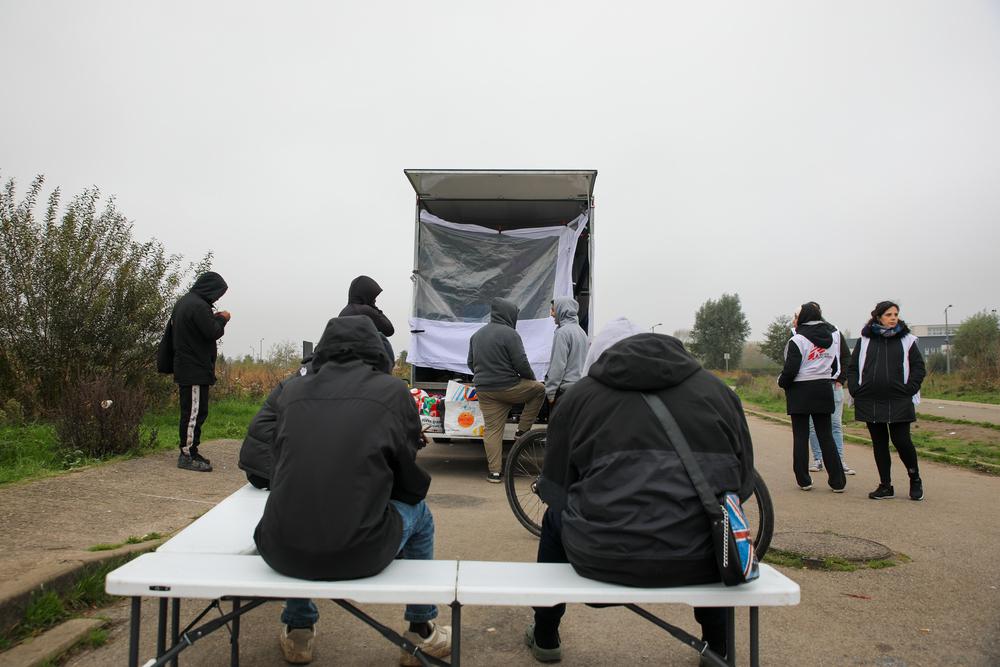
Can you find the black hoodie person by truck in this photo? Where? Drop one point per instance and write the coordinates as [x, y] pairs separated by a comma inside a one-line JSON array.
[[361, 301], [345, 443]]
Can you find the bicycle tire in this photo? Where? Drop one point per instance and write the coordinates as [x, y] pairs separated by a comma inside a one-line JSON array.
[[761, 502], [521, 470]]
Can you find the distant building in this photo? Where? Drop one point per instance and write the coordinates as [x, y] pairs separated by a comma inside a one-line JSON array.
[[932, 337]]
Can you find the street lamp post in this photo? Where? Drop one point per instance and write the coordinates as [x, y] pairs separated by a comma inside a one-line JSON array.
[[658, 324], [260, 355], [947, 342]]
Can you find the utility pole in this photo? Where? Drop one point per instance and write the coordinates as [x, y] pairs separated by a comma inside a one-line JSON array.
[[947, 342], [260, 355]]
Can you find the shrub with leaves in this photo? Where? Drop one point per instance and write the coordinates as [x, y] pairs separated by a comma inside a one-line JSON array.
[[81, 302]]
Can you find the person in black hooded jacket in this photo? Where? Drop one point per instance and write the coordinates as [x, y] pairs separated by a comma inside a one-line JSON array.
[[347, 495], [884, 377], [361, 301], [196, 328], [621, 507], [813, 359]]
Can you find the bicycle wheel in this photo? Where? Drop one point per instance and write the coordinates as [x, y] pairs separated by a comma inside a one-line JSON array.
[[521, 472], [760, 515]]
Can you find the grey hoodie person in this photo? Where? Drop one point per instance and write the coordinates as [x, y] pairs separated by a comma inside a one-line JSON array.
[[569, 348], [496, 352]]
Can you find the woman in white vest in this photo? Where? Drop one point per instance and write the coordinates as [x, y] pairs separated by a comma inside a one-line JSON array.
[[812, 361], [884, 378]]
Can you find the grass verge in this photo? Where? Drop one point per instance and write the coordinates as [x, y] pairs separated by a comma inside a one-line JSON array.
[[32, 451], [49, 608], [107, 546]]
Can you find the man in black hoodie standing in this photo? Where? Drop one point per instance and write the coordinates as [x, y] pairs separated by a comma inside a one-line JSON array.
[[621, 507], [196, 328], [347, 495], [503, 378]]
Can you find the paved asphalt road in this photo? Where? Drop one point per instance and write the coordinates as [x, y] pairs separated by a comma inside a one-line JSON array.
[[942, 608], [976, 412]]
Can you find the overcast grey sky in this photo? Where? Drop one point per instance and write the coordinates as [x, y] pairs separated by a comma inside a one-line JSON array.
[[843, 152]]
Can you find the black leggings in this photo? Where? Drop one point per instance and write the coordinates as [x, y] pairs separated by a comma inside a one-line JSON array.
[[899, 432], [800, 450]]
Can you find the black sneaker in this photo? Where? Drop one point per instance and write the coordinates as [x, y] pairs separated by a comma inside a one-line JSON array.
[[198, 457], [916, 489], [494, 478], [883, 492], [188, 462]]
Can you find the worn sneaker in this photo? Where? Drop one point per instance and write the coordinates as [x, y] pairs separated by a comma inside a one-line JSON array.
[[438, 645], [805, 487], [198, 457], [187, 462], [297, 644], [916, 489], [816, 466], [541, 654], [848, 470], [883, 492], [494, 478]]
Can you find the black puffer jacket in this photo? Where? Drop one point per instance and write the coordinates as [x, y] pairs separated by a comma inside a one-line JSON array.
[[879, 394], [630, 513], [361, 301], [812, 397], [196, 328], [346, 442]]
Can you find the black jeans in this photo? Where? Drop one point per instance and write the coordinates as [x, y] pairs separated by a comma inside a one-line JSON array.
[[800, 450], [194, 410], [547, 619], [899, 432]]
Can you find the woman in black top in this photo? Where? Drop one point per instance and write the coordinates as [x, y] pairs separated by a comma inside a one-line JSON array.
[[884, 378]]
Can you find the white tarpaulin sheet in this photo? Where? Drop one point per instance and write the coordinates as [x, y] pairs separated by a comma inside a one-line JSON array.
[[462, 268]]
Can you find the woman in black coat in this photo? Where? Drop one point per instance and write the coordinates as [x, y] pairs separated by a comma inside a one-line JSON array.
[[812, 361], [884, 378]]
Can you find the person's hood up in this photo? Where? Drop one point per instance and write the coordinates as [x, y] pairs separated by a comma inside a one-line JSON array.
[[644, 362], [503, 311], [348, 338], [566, 309], [210, 286], [612, 332], [819, 332], [363, 290]]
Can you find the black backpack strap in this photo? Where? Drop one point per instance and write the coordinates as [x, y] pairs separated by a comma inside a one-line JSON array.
[[683, 449]]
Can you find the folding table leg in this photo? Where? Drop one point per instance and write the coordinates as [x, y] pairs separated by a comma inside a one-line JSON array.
[[731, 636], [456, 634], [161, 628], [133, 635], [175, 625], [234, 640], [754, 637]]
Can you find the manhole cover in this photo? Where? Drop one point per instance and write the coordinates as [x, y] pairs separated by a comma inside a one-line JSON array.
[[831, 545], [454, 500]]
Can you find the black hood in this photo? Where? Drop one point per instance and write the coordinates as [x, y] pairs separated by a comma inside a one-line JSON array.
[[348, 338], [210, 286], [503, 311], [820, 333], [363, 290], [644, 362]]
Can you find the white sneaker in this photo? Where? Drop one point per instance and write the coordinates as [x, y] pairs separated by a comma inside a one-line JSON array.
[[848, 470], [816, 466], [438, 644], [297, 644]]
